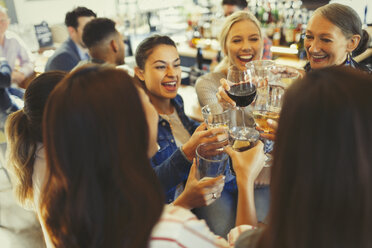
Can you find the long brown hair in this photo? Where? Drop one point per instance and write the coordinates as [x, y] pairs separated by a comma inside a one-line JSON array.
[[102, 191], [23, 130], [321, 188]]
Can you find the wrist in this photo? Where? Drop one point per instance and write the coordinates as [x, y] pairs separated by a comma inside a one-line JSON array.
[[188, 152], [180, 202]]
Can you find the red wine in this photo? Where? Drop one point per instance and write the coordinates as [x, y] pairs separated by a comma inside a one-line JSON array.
[[243, 94]]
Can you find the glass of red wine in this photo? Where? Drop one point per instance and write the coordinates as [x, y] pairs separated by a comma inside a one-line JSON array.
[[243, 92]]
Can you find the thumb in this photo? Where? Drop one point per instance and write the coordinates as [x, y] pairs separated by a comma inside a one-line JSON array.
[[193, 171], [201, 127], [230, 151]]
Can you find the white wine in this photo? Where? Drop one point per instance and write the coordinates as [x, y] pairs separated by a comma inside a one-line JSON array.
[[261, 118]]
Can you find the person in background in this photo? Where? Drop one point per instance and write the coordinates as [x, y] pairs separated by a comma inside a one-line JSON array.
[[25, 157], [334, 35], [100, 190], [73, 50], [321, 181], [231, 6], [104, 42], [8, 102], [14, 50]]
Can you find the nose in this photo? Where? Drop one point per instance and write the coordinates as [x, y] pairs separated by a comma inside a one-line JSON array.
[[171, 71], [313, 46], [246, 45]]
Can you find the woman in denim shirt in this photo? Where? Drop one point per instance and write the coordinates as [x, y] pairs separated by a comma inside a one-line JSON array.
[[158, 68]]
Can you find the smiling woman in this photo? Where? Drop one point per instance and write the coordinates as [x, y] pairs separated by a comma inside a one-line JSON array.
[[334, 35], [158, 69], [241, 42]]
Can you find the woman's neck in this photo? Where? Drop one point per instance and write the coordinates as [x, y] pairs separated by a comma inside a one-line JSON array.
[[162, 105]]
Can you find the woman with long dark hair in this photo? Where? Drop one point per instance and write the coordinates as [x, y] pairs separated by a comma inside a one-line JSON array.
[[100, 191], [321, 175]]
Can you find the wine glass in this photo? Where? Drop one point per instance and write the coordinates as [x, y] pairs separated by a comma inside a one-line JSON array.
[[268, 100], [243, 92]]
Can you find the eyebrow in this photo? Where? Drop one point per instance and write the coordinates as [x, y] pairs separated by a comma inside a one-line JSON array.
[[322, 34], [163, 62], [239, 36]]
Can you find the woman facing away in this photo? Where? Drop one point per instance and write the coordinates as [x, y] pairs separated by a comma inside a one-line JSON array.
[[25, 150], [321, 190], [101, 190], [334, 35]]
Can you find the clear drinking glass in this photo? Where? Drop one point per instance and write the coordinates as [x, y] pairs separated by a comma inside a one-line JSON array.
[[215, 115], [211, 159], [267, 104]]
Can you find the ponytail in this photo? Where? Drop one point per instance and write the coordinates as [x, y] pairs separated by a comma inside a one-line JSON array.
[[363, 44], [22, 147]]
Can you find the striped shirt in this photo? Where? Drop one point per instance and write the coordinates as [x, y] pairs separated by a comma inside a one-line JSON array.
[[180, 228]]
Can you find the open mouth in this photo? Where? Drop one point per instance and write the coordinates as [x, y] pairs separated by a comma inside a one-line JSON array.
[[170, 86], [318, 58], [245, 58]]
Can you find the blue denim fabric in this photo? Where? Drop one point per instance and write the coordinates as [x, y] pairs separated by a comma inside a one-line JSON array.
[[169, 163]]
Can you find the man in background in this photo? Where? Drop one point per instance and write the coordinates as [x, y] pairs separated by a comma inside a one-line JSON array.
[[14, 50], [73, 50], [230, 6], [104, 42]]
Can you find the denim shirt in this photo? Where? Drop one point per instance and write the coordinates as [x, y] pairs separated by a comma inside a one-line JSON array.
[[170, 163]]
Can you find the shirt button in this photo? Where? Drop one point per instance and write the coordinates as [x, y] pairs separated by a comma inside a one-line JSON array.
[[172, 141], [163, 123]]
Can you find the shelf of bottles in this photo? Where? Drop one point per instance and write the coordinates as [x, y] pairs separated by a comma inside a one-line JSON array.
[[283, 21]]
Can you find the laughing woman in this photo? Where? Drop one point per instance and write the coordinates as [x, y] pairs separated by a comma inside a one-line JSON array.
[[334, 35], [241, 42], [158, 68]]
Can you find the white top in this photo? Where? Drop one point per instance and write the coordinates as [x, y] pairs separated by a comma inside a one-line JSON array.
[[179, 227], [16, 53], [181, 135]]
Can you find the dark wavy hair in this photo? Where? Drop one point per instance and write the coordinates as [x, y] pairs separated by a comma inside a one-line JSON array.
[[348, 20], [97, 31], [23, 130], [102, 191], [321, 187], [71, 19], [145, 48]]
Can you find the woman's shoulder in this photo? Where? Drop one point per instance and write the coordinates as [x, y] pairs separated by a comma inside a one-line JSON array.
[[179, 227], [210, 77], [249, 238]]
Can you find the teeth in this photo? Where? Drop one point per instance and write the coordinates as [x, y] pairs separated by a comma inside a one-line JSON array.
[[170, 84], [246, 57], [319, 57]]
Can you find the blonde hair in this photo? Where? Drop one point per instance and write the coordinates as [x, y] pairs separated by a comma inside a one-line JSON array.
[[231, 20]]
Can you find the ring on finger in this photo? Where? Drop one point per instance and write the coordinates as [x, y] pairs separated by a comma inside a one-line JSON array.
[[214, 196]]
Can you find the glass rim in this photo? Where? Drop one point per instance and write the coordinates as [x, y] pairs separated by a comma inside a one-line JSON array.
[[253, 63], [226, 156], [203, 109]]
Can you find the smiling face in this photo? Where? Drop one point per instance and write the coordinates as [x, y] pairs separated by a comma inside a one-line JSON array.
[[162, 72], [243, 43], [325, 43]]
